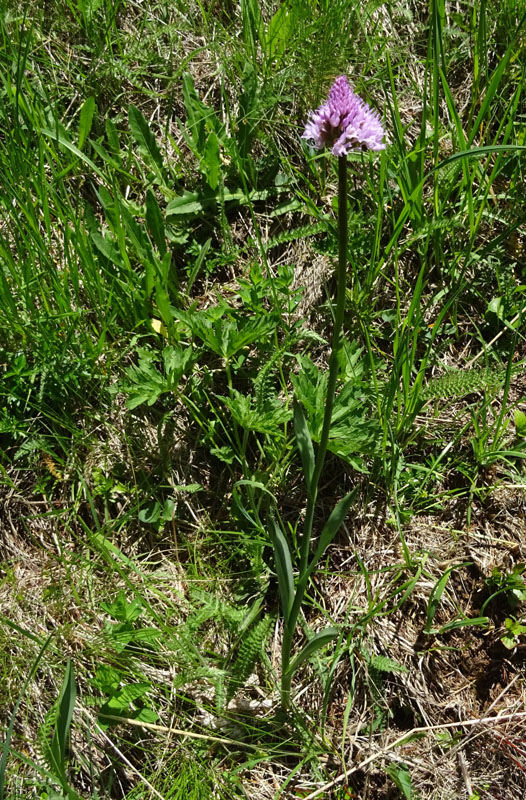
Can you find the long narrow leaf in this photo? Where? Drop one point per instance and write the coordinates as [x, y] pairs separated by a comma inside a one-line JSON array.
[[318, 641], [155, 222], [66, 704], [85, 120], [283, 567], [144, 137], [331, 527], [59, 137], [304, 443]]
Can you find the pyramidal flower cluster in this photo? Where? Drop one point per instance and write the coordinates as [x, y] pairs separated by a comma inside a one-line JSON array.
[[345, 123]]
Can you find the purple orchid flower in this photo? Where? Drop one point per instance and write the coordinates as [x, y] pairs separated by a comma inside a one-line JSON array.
[[345, 122]]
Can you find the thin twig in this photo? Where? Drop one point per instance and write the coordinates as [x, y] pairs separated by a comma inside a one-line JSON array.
[[186, 734]]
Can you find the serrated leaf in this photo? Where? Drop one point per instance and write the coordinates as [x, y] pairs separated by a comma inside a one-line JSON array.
[[144, 137], [225, 453], [318, 641], [283, 567], [385, 664]]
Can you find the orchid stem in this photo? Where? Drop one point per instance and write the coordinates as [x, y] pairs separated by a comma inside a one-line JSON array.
[[341, 275]]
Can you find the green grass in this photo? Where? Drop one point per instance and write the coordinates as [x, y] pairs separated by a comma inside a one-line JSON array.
[[167, 245]]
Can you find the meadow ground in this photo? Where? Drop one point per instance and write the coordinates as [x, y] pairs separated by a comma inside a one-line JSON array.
[[167, 256]]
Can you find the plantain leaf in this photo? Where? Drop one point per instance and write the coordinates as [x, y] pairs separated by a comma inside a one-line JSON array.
[[187, 203], [283, 567], [318, 641], [304, 443]]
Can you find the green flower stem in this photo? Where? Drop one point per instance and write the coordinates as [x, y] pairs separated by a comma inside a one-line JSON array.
[[301, 588]]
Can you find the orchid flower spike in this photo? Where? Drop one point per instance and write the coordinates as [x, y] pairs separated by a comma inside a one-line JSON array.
[[345, 122]]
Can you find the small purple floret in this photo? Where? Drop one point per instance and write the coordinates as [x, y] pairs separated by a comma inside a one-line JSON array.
[[345, 122]]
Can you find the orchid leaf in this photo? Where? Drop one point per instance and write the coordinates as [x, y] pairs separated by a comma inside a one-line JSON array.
[[318, 641], [283, 567]]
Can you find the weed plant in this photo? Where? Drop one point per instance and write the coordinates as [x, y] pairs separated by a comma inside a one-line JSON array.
[[167, 251]]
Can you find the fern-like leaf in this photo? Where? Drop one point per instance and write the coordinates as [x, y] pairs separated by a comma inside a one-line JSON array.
[[248, 654], [457, 383]]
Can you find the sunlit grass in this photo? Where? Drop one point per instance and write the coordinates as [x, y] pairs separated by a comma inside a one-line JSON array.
[[167, 245]]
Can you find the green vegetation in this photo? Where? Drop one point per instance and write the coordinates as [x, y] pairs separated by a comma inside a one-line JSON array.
[[167, 250]]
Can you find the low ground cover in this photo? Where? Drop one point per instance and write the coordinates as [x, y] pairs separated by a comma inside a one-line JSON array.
[[168, 244]]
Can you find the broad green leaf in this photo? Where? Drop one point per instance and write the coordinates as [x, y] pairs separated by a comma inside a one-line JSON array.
[[147, 715], [283, 567], [128, 694], [279, 29], [199, 117], [304, 443], [122, 609], [85, 120], [520, 422], [332, 526], [106, 157], [436, 594], [401, 777], [187, 203], [155, 222], [212, 160], [144, 137], [318, 641]]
